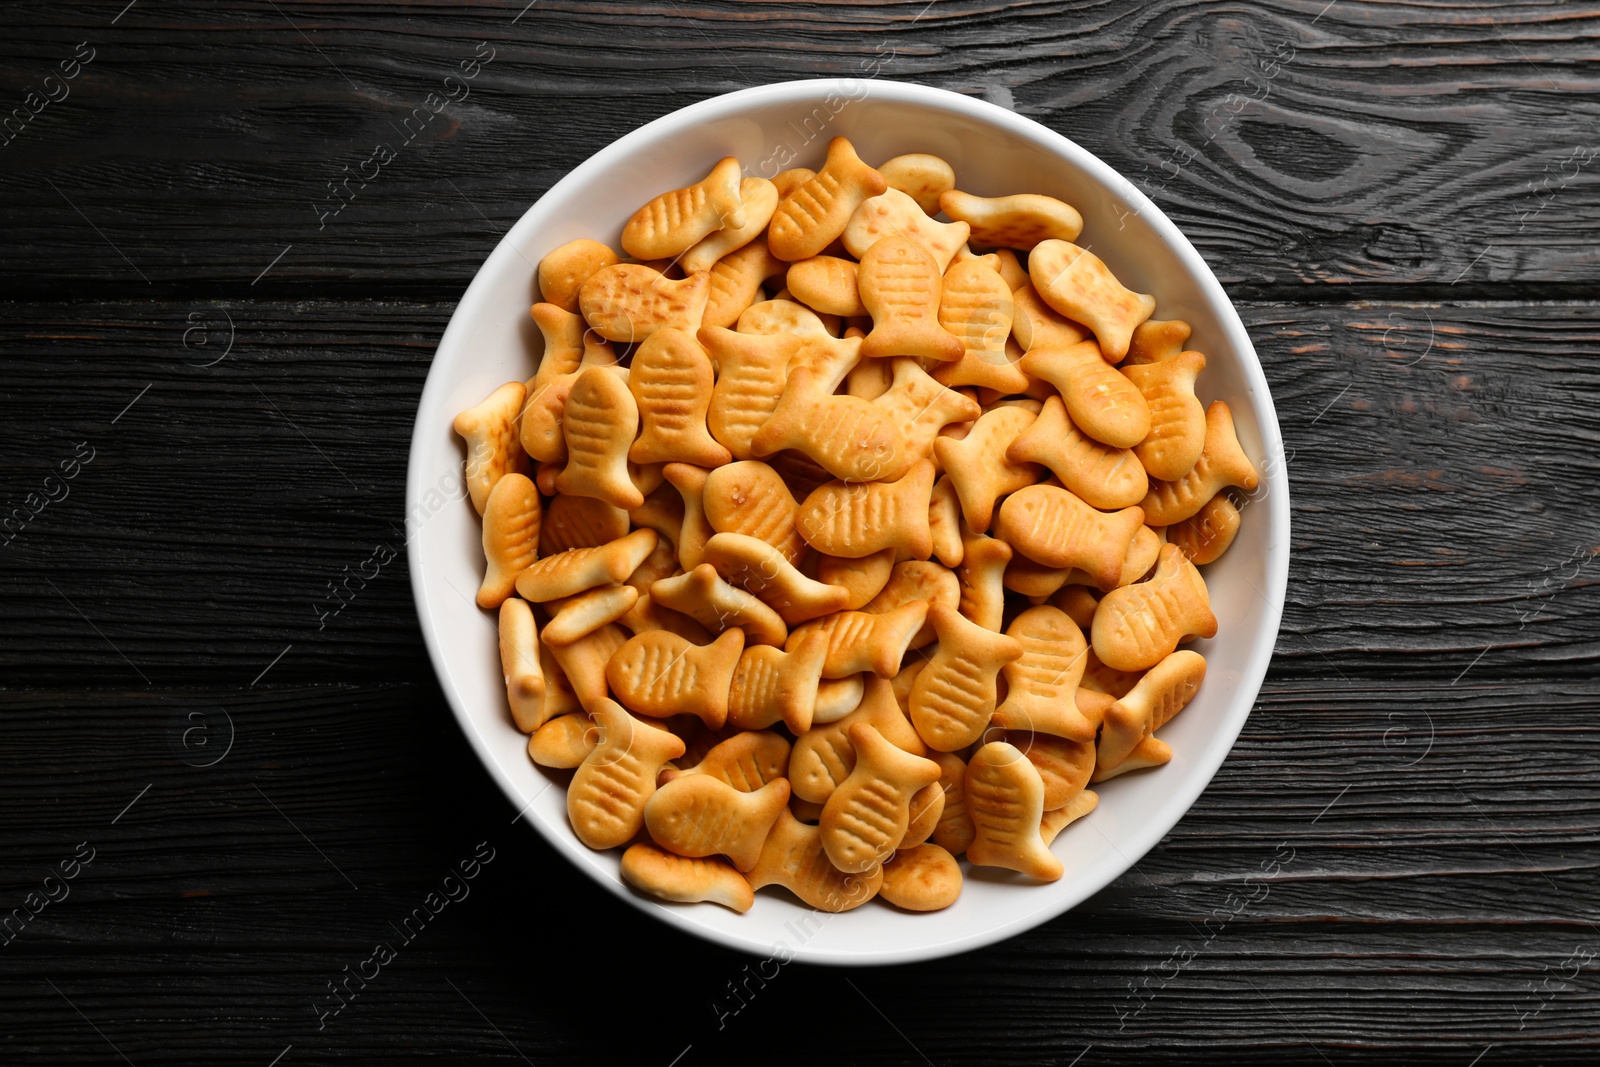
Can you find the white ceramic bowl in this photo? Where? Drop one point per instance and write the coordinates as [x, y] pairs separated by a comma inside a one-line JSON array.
[[491, 340]]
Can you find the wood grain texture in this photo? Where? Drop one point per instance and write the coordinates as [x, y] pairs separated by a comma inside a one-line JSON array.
[[1439, 489], [1360, 144], [1440, 825], [1398, 861], [1411, 907]]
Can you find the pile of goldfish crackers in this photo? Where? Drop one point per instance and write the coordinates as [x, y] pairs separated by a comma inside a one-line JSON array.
[[798, 530]]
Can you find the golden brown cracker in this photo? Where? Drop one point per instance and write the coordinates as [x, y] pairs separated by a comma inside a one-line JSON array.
[[920, 176], [1155, 340], [658, 674], [1053, 527], [1151, 752], [901, 285], [1177, 419], [579, 522], [927, 804], [1222, 463], [863, 641], [921, 406], [662, 511], [1079, 602], [599, 426], [977, 465], [781, 316], [690, 482], [583, 662], [751, 564], [1064, 765], [954, 696], [747, 760], [1035, 324], [914, 580], [981, 579], [1103, 403], [1138, 625], [519, 660], [563, 271], [1041, 683], [944, 522], [830, 359], [564, 741], [866, 816], [787, 181], [863, 578], [955, 830], [838, 697], [608, 792], [894, 214], [1206, 535], [751, 372], [1165, 690], [697, 815], [823, 756], [1020, 220], [924, 878], [826, 284], [628, 302], [1079, 285], [683, 880], [580, 569], [493, 449], [736, 282], [850, 438], [758, 198], [510, 537], [1005, 797], [863, 518], [671, 224], [587, 612], [1098, 474], [976, 307], [771, 685], [705, 597], [792, 856], [1053, 822], [671, 380], [749, 497], [811, 217]]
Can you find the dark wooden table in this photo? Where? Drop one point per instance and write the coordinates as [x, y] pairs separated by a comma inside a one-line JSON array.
[[205, 405]]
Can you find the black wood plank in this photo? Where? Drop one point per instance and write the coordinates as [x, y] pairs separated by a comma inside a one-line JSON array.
[[1427, 900], [1442, 510], [1396, 784], [263, 797], [1364, 144]]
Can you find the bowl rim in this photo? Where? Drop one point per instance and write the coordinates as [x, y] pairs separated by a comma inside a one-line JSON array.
[[1274, 489]]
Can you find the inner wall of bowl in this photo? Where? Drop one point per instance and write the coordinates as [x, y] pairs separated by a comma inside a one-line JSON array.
[[490, 342]]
